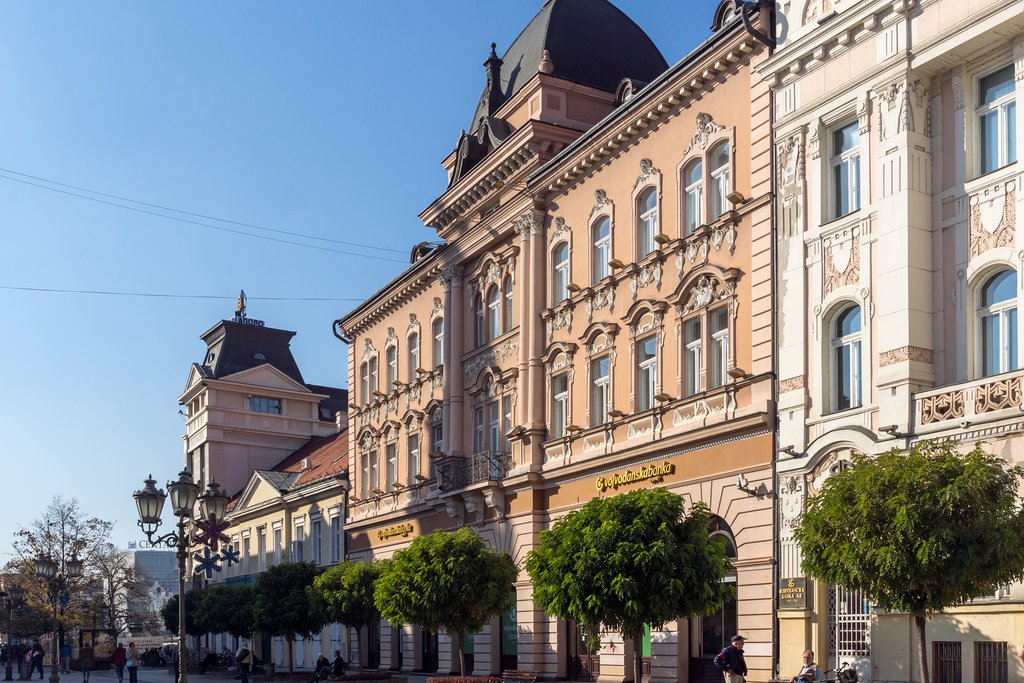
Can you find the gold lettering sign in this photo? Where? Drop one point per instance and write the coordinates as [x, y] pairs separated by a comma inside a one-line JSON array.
[[652, 473], [793, 593], [402, 530]]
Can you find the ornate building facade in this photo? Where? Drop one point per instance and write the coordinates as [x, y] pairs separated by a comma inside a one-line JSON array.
[[597, 318], [899, 268]]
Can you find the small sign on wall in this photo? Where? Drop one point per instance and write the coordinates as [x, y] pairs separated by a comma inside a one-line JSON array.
[[793, 593]]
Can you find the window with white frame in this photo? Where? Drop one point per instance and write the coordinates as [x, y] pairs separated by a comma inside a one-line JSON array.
[[414, 356], [261, 548], [479, 330], [719, 351], [298, 544], [437, 330], [493, 426], [599, 390], [413, 443], [364, 475], [846, 376], [693, 356], [693, 200], [374, 468], [246, 556], [372, 376], [507, 311], [560, 274], [316, 541], [336, 539], [278, 546], [391, 466], [602, 249], [493, 313], [997, 120], [844, 169], [647, 225], [478, 429], [436, 440], [506, 421], [646, 373], [559, 404], [997, 324], [368, 379], [391, 359], [719, 180]]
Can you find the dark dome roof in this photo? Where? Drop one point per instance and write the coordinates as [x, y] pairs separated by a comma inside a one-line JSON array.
[[591, 42]]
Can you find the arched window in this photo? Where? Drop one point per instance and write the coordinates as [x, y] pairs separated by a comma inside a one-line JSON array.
[[437, 331], [478, 319], [647, 228], [719, 179], [560, 275], [846, 376], [997, 323], [716, 628], [693, 202], [364, 381], [414, 356], [493, 313], [372, 364], [391, 358], [507, 312], [602, 249]]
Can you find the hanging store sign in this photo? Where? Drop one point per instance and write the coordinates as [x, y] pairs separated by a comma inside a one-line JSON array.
[[793, 593], [651, 473], [402, 530]]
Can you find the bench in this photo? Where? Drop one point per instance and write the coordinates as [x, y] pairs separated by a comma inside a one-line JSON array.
[[518, 676]]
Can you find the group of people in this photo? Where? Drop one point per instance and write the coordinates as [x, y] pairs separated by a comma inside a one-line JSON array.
[[734, 668], [129, 659], [325, 668]]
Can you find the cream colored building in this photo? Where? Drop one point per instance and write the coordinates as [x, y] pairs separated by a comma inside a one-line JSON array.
[[599, 311], [899, 270]]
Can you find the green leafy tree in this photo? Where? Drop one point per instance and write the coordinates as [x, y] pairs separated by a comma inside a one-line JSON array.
[[169, 614], [227, 609], [448, 581], [628, 561], [282, 606], [918, 531], [344, 593]]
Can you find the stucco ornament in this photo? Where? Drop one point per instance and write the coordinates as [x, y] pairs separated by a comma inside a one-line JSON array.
[[993, 218], [368, 349], [560, 228], [842, 259], [706, 127], [647, 171], [601, 202], [707, 290]]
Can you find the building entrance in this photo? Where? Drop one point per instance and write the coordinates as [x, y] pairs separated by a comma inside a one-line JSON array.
[[584, 663]]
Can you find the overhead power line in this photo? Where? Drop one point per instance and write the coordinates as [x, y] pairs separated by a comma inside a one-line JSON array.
[[158, 295], [208, 225]]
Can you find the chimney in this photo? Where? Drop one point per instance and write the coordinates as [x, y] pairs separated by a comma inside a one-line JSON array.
[[493, 66]]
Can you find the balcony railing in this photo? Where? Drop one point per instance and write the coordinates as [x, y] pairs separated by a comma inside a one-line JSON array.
[[458, 473], [970, 402]]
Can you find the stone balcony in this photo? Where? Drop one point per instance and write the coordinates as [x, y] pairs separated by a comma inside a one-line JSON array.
[[969, 405]]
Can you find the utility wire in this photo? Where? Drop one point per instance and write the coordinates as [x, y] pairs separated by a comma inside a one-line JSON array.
[[170, 296], [200, 215], [199, 223]]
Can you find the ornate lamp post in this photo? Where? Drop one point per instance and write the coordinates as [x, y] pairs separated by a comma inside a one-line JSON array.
[[49, 570], [206, 529], [14, 595]]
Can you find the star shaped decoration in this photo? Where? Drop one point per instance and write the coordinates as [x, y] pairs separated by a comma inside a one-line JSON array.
[[211, 531], [230, 556], [207, 562]]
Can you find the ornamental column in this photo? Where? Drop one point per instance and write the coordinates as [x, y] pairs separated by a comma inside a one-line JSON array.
[[454, 328]]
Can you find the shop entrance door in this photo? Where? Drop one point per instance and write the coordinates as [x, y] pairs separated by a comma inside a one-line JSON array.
[[584, 663]]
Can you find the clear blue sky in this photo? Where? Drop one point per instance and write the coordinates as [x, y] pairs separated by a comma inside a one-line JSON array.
[[322, 118]]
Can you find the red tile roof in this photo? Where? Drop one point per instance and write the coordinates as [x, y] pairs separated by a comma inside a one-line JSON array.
[[323, 457]]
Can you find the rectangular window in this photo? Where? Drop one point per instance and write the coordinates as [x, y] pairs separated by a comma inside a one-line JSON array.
[[391, 466], [997, 120], [719, 348], [372, 382], [414, 458], [559, 405], [364, 472], [506, 422], [844, 163], [646, 373], [261, 548], [317, 542], [602, 252], [246, 557], [278, 547], [990, 662], [493, 426], [599, 391], [374, 467], [478, 430], [414, 357], [438, 350], [263, 404], [298, 544], [947, 661], [693, 357], [336, 539]]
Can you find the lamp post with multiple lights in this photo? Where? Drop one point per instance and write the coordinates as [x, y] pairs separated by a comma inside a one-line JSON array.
[[206, 528], [56, 578]]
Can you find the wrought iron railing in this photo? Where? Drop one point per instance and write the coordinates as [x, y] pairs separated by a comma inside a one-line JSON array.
[[458, 472]]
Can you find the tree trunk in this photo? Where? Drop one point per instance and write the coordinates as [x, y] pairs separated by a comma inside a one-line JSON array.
[[291, 654], [922, 652], [462, 653], [638, 656]]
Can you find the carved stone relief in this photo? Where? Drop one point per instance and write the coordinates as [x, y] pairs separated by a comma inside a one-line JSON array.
[[560, 228], [647, 170], [368, 349], [792, 384], [903, 354], [993, 217], [650, 273], [842, 259], [601, 201], [815, 10], [450, 277], [706, 127], [474, 365], [601, 298], [707, 290]]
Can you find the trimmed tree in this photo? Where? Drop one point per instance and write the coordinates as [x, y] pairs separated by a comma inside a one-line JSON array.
[[282, 606], [450, 581], [344, 593], [629, 561], [917, 531], [227, 609], [169, 614]]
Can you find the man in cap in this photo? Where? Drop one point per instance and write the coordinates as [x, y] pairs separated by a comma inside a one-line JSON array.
[[731, 663]]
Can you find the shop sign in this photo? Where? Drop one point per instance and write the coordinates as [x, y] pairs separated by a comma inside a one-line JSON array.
[[402, 530], [793, 593], [651, 473]]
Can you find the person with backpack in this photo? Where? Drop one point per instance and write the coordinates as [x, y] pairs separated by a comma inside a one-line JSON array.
[[731, 663], [85, 655], [243, 658]]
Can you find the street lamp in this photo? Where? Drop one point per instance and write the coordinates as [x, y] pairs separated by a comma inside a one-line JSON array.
[[205, 529], [47, 569], [14, 595]]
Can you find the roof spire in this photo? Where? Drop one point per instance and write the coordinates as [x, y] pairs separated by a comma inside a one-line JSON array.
[[493, 66]]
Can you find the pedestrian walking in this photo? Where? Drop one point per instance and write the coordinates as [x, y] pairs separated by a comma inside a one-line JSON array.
[[243, 658], [132, 662], [65, 658], [85, 655], [119, 659], [731, 663], [37, 659]]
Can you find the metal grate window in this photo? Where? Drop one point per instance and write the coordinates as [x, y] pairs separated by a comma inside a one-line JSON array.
[[849, 617], [990, 662], [947, 662]]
